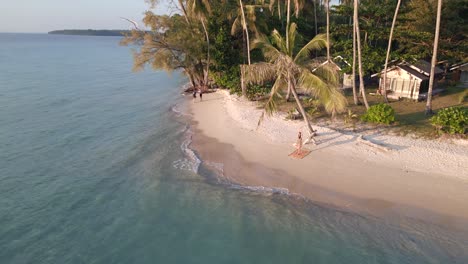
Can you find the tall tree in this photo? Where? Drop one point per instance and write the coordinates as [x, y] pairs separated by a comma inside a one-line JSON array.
[[434, 59], [170, 45], [327, 6], [384, 88], [200, 9], [290, 70], [297, 7], [355, 95], [358, 42]]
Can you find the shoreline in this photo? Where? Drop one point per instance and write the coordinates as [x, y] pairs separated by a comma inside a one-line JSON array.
[[340, 171]]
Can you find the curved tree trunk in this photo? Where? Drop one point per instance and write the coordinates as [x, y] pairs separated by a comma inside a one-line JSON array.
[[288, 94], [304, 115], [384, 90], [192, 80], [434, 60], [244, 27], [243, 87], [355, 95], [288, 10], [327, 3], [205, 80], [358, 41], [184, 11], [287, 24]]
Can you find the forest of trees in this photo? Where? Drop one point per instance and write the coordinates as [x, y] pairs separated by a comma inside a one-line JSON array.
[[277, 46]]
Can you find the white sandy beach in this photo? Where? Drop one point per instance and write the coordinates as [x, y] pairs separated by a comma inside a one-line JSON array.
[[414, 176]]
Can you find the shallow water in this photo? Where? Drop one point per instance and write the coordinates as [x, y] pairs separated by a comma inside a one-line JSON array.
[[94, 169]]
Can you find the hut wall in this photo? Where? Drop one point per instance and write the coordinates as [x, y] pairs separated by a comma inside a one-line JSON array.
[[401, 84], [464, 78], [347, 80]]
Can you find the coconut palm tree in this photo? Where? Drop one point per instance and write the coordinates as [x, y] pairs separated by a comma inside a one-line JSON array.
[[355, 96], [434, 59], [242, 22], [200, 9], [384, 90], [291, 70], [358, 43], [298, 4], [327, 6]]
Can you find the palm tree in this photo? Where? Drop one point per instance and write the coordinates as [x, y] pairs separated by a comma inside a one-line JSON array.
[[241, 20], [327, 6], [200, 9], [384, 91], [355, 96], [358, 42], [434, 59], [293, 70], [297, 7]]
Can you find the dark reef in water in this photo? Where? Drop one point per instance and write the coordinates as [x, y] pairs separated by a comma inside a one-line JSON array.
[[90, 32]]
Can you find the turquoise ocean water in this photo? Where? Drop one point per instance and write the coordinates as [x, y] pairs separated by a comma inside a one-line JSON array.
[[94, 169]]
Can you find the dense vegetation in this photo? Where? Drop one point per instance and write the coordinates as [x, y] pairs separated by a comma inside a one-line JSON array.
[[281, 48]]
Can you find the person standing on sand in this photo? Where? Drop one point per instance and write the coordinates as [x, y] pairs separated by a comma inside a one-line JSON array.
[[201, 95], [299, 143], [194, 94]]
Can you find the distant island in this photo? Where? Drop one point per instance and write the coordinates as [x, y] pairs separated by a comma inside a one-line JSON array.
[[90, 32]]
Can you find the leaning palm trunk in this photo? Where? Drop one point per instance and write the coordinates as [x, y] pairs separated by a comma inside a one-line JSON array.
[[243, 86], [288, 10], [355, 96], [205, 79], [327, 3], [384, 90], [358, 41], [304, 115], [184, 11], [434, 60], [244, 28]]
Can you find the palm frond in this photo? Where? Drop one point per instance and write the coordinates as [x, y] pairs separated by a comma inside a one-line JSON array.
[[328, 95], [292, 38], [236, 26], [317, 43], [279, 41], [269, 51], [338, 102], [328, 72], [271, 104], [259, 73]]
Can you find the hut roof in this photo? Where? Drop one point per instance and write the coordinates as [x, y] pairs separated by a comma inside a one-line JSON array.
[[413, 72], [424, 67]]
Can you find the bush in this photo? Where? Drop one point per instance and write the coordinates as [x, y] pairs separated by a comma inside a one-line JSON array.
[[380, 113], [453, 120], [229, 79], [256, 90]]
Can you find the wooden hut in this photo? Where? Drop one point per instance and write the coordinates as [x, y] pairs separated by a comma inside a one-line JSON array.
[[460, 73], [405, 80]]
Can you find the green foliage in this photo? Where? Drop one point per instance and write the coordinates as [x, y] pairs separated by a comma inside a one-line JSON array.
[[255, 90], [453, 120], [229, 79], [380, 113]]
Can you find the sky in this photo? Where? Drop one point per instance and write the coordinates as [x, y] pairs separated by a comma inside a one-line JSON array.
[[40, 16]]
